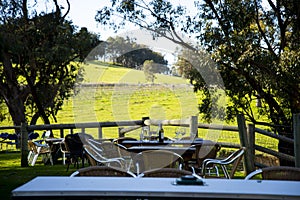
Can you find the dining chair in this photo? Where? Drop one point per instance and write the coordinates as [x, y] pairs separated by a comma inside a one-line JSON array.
[[165, 172], [233, 159], [36, 149], [114, 150], [153, 159], [94, 154], [65, 151], [207, 150], [277, 173], [102, 171], [110, 150], [74, 145]]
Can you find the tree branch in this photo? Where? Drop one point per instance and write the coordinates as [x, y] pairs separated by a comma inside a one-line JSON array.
[[261, 31], [68, 10]]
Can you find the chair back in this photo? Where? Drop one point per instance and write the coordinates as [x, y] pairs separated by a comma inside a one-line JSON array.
[[74, 145], [84, 137], [204, 151], [281, 173], [95, 157], [153, 159], [110, 150], [235, 158], [32, 147], [165, 172], [102, 171], [92, 155], [277, 173]]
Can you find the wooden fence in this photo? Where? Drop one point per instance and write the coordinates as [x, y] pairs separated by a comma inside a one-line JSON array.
[[246, 134], [247, 138]]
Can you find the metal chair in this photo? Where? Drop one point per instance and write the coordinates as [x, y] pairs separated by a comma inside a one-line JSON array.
[[75, 147], [205, 151], [165, 172], [153, 159], [233, 158], [94, 154], [277, 173], [102, 171]]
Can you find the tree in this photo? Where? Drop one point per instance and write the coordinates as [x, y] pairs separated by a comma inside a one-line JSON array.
[[149, 70], [37, 55], [136, 57], [129, 54], [116, 47], [255, 47]]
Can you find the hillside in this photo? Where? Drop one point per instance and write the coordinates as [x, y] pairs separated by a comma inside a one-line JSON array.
[[114, 93], [99, 72]]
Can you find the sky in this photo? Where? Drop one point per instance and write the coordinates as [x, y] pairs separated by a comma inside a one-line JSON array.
[[83, 13]]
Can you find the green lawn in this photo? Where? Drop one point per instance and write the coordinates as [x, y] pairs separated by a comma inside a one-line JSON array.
[[13, 175]]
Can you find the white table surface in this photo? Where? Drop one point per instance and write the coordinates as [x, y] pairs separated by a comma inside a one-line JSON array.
[[156, 187]]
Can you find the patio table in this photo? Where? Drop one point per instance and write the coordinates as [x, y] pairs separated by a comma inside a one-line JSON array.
[[61, 187]]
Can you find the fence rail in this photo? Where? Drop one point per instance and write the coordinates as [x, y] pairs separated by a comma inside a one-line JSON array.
[[246, 134]]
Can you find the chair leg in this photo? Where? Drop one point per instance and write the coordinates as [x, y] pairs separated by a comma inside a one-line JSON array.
[[34, 159], [29, 157], [51, 159], [64, 158], [217, 170], [226, 174]]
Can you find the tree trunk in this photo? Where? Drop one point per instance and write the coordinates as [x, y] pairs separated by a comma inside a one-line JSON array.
[[12, 92]]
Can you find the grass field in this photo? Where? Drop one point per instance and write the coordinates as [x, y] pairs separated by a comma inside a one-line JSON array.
[[128, 97], [12, 175]]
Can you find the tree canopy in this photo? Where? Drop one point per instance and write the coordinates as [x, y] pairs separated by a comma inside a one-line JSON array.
[[39, 55], [128, 53]]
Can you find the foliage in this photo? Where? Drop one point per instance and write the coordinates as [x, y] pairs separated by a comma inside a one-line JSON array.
[[148, 68], [248, 41], [128, 53], [136, 58], [36, 59]]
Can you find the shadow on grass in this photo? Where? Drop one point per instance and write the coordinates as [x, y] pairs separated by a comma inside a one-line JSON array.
[[12, 175]]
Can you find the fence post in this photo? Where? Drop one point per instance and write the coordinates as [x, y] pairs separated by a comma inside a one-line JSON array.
[[296, 132], [100, 132], [119, 132], [244, 142], [24, 145], [194, 127], [62, 133], [251, 141]]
